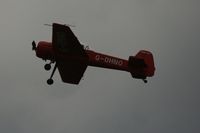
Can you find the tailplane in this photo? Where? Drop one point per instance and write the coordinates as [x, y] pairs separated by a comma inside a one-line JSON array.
[[142, 65]]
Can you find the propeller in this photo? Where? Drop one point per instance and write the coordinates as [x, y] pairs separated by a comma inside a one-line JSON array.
[[34, 45], [69, 25]]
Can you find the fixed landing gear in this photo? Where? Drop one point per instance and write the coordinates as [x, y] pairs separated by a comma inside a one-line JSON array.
[[47, 67], [145, 81], [50, 80]]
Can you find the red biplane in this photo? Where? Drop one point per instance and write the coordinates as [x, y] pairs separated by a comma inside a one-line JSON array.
[[72, 59]]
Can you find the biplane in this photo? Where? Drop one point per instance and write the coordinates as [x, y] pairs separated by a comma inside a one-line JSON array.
[[72, 58]]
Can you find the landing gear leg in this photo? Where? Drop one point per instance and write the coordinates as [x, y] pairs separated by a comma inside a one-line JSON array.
[[50, 80]]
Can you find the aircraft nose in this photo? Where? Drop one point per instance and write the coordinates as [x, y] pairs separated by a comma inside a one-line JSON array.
[[44, 50]]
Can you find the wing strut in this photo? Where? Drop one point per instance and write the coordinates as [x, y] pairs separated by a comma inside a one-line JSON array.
[[50, 80]]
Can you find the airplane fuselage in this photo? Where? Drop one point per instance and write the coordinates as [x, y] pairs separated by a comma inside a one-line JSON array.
[[45, 51], [106, 61]]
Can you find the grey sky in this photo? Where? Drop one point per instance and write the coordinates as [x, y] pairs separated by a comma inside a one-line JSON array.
[[106, 101]]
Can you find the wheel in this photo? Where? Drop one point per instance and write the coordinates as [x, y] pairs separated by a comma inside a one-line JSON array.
[[50, 81], [47, 67], [34, 45], [145, 81]]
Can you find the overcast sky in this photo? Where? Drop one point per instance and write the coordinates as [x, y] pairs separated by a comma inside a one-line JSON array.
[[105, 101]]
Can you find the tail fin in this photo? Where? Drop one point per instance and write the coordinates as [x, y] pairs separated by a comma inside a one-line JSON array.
[[142, 65]]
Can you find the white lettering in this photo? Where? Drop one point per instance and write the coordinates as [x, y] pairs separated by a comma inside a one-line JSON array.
[[110, 60], [106, 60], [97, 57], [120, 63], [113, 61]]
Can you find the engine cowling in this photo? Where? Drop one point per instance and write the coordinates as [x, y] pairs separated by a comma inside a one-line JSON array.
[[45, 51]]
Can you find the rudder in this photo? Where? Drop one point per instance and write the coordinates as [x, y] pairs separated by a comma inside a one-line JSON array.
[[142, 64]]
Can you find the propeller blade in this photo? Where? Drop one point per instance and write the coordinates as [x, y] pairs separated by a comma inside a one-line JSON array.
[[33, 45]]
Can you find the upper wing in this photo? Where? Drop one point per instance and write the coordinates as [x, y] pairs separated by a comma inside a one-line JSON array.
[[71, 57], [64, 41]]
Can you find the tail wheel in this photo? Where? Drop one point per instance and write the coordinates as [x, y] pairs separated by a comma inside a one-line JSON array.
[[145, 81]]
